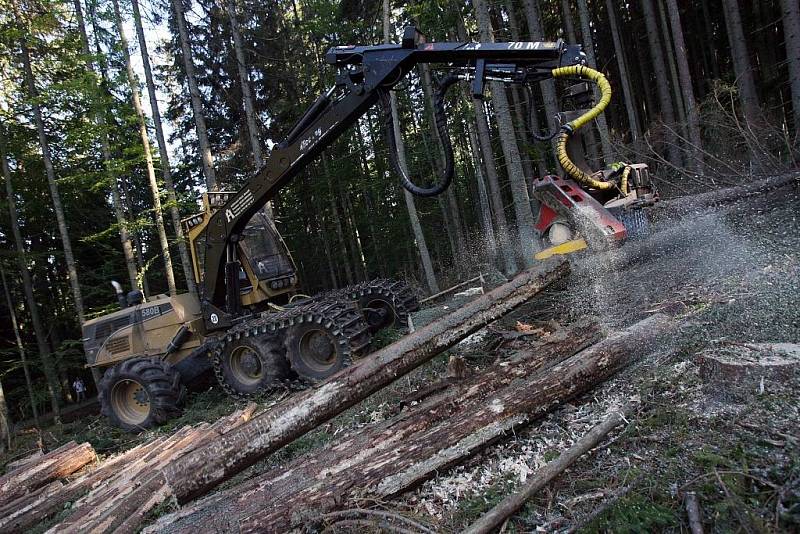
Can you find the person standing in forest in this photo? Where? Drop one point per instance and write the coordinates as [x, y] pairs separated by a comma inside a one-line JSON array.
[[80, 389]]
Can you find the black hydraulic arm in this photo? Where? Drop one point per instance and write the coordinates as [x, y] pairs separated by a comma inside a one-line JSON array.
[[365, 75]]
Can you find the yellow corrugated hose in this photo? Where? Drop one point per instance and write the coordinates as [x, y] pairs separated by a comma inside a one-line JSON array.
[[566, 131]]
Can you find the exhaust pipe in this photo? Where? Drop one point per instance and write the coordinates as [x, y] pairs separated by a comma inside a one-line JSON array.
[[123, 303]]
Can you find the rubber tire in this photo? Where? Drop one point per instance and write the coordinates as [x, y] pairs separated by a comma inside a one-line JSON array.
[[403, 303], [294, 336], [162, 382], [274, 367]]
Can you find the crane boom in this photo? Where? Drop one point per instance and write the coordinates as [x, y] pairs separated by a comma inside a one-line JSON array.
[[365, 75]]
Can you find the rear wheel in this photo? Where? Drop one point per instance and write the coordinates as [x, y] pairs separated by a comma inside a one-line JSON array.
[[324, 340], [251, 365], [386, 303], [140, 393]]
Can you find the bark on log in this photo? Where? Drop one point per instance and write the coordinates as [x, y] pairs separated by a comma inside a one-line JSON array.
[[219, 459], [509, 506], [57, 464], [113, 473], [388, 458]]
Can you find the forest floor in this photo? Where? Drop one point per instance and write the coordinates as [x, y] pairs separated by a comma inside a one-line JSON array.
[[731, 273]]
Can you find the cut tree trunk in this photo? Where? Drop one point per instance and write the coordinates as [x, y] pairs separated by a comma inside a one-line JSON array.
[[391, 457], [194, 474], [541, 478], [148, 157], [54, 465], [163, 154]]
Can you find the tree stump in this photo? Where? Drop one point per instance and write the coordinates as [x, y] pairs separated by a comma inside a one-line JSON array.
[[739, 370]]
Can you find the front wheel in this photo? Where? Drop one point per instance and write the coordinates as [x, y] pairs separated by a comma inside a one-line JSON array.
[[140, 393]]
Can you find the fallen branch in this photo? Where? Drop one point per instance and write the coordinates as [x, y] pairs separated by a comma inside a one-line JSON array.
[[508, 506], [608, 503], [217, 460], [693, 511]]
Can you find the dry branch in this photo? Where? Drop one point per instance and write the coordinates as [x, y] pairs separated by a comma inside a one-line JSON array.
[[508, 506], [393, 456], [693, 511]]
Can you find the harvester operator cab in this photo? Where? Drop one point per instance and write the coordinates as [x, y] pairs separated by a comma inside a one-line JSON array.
[[267, 272]]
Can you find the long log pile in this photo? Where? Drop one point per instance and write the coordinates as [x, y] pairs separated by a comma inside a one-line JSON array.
[[125, 505], [394, 456], [98, 487], [444, 425], [40, 478]]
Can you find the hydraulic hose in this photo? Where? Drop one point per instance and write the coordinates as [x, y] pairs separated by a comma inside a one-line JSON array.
[[568, 129], [440, 118]]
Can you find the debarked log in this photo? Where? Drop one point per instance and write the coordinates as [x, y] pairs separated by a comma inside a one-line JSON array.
[[388, 458], [208, 465]]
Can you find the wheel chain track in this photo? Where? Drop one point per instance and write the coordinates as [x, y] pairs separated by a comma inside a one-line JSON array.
[[341, 318], [402, 296]]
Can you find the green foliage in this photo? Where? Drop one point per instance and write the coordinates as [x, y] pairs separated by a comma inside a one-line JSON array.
[[633, 514]]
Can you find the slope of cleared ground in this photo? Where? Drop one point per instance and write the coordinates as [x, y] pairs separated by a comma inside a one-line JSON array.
[[732, 274]]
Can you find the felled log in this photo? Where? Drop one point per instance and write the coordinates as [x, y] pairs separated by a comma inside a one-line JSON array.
[[509, 505], [22, 462], [388, 458], [54, 465], [195, 473], [125, 468], [694, 203]]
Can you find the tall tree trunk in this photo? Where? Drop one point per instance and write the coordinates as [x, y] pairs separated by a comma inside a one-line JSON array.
[[588, 47], [569, 25], [108, 160], [45, 355], [416, 226], [791, 34], [741, 60], [519, 188], [337, 221], [534, 19], [662, 84], [194, 92], [244, 80], [51, 182], [692, 115], [625, 82], [163, 154], [485, 211], [502, 241], [666, 38], [148, 157], [23, 356]]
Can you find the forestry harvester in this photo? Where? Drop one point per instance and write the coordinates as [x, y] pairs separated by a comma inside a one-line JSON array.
[[249, 324]]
